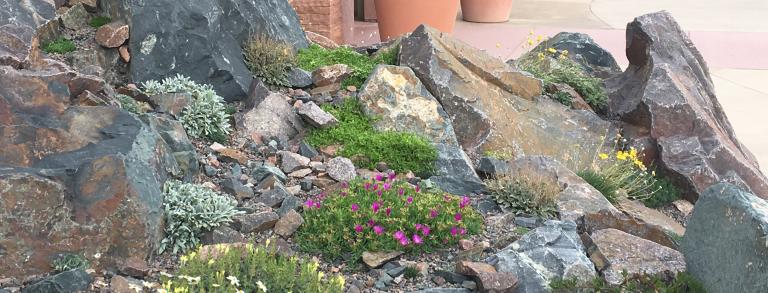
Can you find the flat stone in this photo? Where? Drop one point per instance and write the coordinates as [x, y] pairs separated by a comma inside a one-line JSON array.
[[331, 74], [256, 222], [614, 252], [221, 234], [619, 221], [135, 267], [64, 282], [273, 197], [299, 78], [639, 211], [469, 268], [233, 156], [288, 223], [76, 18], [501, 282], [451, 277], [341, 169], [301, 173], [316, 116], [112, 35], [120, 284], [376, 259], [292, 161]]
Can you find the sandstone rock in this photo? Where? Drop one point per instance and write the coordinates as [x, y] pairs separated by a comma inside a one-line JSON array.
[[89, 179], [493, 282], [171, 103], [90, 5], [69, 281], [124, 53], [221, 234], [376, 259], [233, 156], [341, 169], [316, 116], [469, 268], [583, 50], [134, 267], [331, 74], [120, 284], [301, 173], [326, 90], [595, 221], [614, 251], [639, 211], [493, 106], [683, 206], [725, 244], [76, 18], [545, 253], [667, 90], [112, 35], [272, 117], [292, 161], [203, 39], [256, 222], [321, 40], [288, 224]]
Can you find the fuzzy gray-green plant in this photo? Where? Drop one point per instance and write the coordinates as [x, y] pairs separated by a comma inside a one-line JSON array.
[[206, 116], [129, 104], [521, 194], [70, 261], [190, 210]]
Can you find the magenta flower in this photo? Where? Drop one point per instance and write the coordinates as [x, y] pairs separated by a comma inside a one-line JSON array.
[[367, 186], [425, 230], [375, 206], [343, 193], [401, 191], [462, 231], [358, 228], [344, 184], [392, 175], [379, 192], [457, 217], [418, 189], [388, 211], [378, 229], [404, 241], [379, 177], [418, 227], [309, 203], [371, 222], [355, 207], [409, 200], [399, 235], [464, 202], [432, 214], [387, 186], [317, 204], [375, 186], [454, 231], [417, 239]]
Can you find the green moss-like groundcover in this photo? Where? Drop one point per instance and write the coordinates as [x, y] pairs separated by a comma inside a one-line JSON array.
[[367, 146], [315, 57]]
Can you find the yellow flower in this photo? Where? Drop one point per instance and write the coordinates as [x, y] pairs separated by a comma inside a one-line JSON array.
[[633, 153], [183, 258], [531, 32], [603, 156], [564, 52], [541, 56], [530, 42], [552, 50], [210, 262], [538, 38], [622, 155]]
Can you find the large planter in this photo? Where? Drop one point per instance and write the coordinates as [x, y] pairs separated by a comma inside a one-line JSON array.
[[486, 10], [397, 17]]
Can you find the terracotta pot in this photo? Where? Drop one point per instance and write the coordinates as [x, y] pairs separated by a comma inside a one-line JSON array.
[[486, 10], [397, 17]]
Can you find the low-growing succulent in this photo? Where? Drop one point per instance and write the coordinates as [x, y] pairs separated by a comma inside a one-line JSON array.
[[190, 210], [525, 195], [99, 21], [206, 116], [269, 59], [70, 261]]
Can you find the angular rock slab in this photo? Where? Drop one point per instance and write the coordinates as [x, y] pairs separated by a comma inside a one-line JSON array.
[[493, 106], [272, 117], [726, 244], [551, 252], [202, 39], [577, 197], [614, 252], [400, 100], [75, 179], [668, 91]]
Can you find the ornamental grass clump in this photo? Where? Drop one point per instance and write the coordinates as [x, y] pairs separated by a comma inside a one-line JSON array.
[[525, 195], [269, 59], [384, 214], [315, 57], [190, 210], [206, 116], [248, 268]]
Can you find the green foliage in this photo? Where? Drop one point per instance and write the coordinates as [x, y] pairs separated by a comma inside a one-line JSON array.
[[621, 175], [411, 272], [98, 21], [609, 189], [563, 97], [59, 46], [206, 116], [69, 261], [127, 103], [666, 193], [227, 268], [190, 210], [553, 66], [384, 215], [315, 57], [525, 195], [269, 59], [401, 151], [682, 283], [522, 230]]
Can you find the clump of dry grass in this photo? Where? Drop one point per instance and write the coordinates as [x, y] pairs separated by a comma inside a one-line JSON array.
[[269, 59]]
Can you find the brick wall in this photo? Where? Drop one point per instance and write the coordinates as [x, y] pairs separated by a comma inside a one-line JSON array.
[[325, 17]]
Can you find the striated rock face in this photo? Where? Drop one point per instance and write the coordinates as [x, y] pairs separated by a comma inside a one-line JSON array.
[[396, 96], [614, 252], [667, 91], [725, 244], [202, 39], [492, 106], [82, 179], [18, 22], [593, 58]]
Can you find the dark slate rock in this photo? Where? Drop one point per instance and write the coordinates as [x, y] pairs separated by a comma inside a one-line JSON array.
[[490, 167], [443, 290], [273, 197], [257, 92], [306, 184], [209, 170], [290, 202], [299, 78], [234, 187], [527, 222], [455, 174], [451, 277], [263, 171], [725, 241], [202, 39], [396, 272], [222, 234], [65, 282], [261, 221], [581, 48], [386, 279], [307, 150], [26, 13]]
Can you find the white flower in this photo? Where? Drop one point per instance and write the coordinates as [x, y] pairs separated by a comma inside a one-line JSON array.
[[136, 288], [233, 280], [261, 286]]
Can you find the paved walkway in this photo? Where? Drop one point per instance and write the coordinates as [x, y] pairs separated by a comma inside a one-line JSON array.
[[731, 34]]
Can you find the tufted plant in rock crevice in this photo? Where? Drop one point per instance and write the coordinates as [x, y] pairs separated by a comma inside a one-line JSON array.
[[61, 45], [206, 116], [248, 268], [269, 59], [127, 103], [70, 261], [190, 210], [525, 195], [384, 214]]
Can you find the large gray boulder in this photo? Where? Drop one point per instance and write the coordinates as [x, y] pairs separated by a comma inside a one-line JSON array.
[[668, 93], [593, 58], [726, 242], [547, 253], [202, 39], [400, 101]]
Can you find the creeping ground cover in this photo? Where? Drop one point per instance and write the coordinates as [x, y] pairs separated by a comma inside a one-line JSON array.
[[384, 214]]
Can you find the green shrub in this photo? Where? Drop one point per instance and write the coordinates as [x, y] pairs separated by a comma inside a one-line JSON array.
[[621, 175], [315, 57], [608, 188], [522, 194], [59, 46], [190, 210], [360, 141], [411, 272], [248, 268], [553, 66], [69, 261], [383, 215], [666, 193], [127, 103], [206, 116], [269, 59], [563, 98], [681, 283], [98, 21]]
